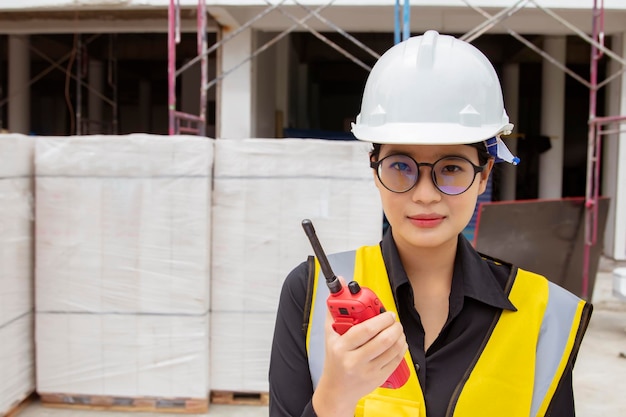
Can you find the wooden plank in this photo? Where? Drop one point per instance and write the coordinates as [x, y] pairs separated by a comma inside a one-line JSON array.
[[19, 406], [131, 404], [240, 398]]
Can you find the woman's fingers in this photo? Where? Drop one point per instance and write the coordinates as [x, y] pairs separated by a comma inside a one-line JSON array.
[[380, 339], [368, 352], [385, 350], [384, 326]]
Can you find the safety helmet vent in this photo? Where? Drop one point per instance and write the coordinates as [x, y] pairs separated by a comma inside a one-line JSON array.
[[426, 52], [469, 116], [378, 116]]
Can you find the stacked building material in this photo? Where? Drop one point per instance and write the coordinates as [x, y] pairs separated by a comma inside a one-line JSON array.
[[17, 366], [263, 189], [123, 266]]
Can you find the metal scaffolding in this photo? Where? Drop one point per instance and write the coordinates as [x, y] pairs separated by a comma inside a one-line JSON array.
[[596, 123], [181, 122], [402, 31], [74, 70], [597, 130]]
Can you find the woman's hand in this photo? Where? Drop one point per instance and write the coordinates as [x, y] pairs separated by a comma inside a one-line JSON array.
[[357, 362]]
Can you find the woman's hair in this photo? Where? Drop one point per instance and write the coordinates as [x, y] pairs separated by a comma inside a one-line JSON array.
[[481, 148], [483, 154]]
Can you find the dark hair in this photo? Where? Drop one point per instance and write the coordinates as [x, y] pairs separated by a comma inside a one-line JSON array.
[[483, 154], [375, 152], [481, 148]]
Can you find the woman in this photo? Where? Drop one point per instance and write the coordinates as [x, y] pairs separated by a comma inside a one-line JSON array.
[[481, 337]]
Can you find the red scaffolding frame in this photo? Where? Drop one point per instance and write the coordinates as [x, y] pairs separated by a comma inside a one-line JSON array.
[[181, 122], [596, 132]]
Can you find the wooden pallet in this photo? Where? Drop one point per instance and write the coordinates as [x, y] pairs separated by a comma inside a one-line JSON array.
[[18, 406], [105, 402], [240, 398]]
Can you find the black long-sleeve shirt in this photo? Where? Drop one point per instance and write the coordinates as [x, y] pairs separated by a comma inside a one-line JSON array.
[[477, 295]]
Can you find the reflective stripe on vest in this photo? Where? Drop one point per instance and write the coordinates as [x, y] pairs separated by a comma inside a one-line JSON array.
[[525, 364]]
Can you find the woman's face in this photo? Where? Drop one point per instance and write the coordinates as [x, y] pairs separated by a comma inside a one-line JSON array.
[[424, 217]]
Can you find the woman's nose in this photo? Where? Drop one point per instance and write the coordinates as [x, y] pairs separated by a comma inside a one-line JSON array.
[[425, 191]]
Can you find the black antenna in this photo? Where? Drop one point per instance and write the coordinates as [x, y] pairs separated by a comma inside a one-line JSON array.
[[334, 285]]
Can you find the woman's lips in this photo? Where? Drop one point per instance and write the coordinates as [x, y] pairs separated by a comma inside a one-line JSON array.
[[427, 220]]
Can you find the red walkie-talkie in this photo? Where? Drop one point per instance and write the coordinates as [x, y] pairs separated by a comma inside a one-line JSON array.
[[353, 306]]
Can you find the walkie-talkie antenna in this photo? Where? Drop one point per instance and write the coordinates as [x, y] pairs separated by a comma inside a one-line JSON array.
[[334, 285]]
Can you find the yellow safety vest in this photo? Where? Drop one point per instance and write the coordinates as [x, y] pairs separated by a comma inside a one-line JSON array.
[[515, 375]]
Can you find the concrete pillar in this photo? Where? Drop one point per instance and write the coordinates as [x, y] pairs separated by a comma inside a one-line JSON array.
[[235, 92], [264, 92], [96, 84], [614, 159], [19, 90], [552, 112], [510, 88]]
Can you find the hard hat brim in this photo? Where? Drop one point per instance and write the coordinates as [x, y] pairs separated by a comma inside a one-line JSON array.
[[427, 133]]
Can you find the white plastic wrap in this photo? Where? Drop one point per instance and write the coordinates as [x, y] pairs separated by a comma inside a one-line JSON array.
[[263, 189], [17, 362], [17, 367], [16, 226], [123, 256], [241, 344], [123, 224], [123, 355], [16, 154], [16, 248], [127, 249]]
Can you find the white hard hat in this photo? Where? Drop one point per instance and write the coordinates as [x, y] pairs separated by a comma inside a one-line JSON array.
[[432, 89]]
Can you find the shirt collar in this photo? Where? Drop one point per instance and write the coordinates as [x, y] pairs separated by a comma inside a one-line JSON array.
[[470, 270], [479, 281]]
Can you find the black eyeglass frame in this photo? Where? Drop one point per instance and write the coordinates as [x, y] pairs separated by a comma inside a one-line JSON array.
[[376, 165]]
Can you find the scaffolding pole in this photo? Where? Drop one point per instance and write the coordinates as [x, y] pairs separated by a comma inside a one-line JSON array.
[[180, 122], [402, 21], [594, 145]]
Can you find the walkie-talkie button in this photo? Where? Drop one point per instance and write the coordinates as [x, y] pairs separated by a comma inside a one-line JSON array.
[[354, 287], [343, 311]]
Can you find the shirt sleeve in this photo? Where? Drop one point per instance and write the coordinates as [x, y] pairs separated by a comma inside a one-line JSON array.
[[291, 388]]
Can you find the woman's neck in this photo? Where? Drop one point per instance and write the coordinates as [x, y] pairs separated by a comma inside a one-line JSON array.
[[429, 269]]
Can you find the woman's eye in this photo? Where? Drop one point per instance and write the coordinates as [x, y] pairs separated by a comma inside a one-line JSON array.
[[400, 166], [451, 169]]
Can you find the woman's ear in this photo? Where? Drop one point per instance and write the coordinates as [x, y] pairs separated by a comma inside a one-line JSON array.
[[484, 176], [374, 158], [376, 180]]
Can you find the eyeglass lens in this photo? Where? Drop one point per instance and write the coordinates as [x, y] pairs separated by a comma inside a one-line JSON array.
[[451, 175]]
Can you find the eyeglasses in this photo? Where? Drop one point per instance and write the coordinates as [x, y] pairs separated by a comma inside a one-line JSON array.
[[452, 175]]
